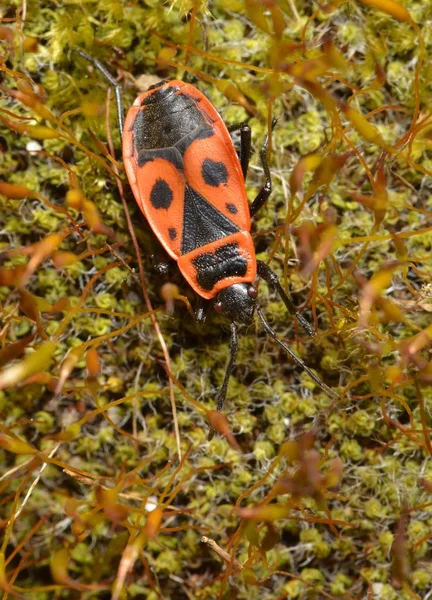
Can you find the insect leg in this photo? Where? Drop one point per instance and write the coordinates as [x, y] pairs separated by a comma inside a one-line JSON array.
[[295, 358], [200, 315], [230, 367], [266, 189], [160, 263], [223, 391], [245, 145], [117, 87], [270, 276]]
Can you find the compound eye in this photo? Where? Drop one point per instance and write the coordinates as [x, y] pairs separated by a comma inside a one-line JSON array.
[[218, 307], [252, 291]]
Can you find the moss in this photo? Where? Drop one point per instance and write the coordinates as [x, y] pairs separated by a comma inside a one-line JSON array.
[[341, 584], [269, 401], [311, 535], [374, 509], [361, 423], [166, 562], [244, 421], [418, 531], [399, 76], [294, 589], [277, 433], [312, 576], [421, 579], [264, 450], [382, 590], [44, 422], [125, 455], [351, 33]]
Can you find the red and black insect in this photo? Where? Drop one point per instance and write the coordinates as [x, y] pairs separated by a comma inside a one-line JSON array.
[[188, 181]]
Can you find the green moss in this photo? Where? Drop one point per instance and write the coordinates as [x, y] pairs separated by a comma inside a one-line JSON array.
[[361, 423], [44, 421], [269, 400], [416, 532], [312, 576], [277, 433], [264, 450], [421, 579], [21, 329], [294, 589], [374, 509], [340, 584], [244, 421], [311, 535]]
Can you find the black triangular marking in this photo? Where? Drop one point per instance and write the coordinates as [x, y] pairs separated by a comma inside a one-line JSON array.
[[202, 222]]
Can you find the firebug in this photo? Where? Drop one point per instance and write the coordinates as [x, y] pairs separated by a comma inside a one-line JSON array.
[[189, 182]]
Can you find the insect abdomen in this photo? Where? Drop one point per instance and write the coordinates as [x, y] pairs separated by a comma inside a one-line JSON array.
[[220, 264]]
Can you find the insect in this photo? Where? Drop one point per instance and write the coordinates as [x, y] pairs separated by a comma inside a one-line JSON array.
[[189, 183]]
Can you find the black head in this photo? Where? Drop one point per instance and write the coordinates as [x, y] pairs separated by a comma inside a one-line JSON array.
[[237, 302]]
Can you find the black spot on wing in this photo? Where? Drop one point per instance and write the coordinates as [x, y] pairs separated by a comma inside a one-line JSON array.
[[225, 262], [232, 208], [202, 222], [161, 195], [172, 233], [214, 173]]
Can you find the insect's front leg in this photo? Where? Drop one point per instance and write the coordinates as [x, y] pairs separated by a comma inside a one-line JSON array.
[[270, 276], [233, 354], [224, 387], [266, 189], [117, 87], [245, 145], [269, 331]]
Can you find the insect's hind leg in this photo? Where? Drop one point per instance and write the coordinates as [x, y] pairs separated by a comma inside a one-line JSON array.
[[117, 87], [245, 144]]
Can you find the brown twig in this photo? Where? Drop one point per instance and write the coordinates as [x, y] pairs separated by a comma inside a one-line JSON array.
[[221, 552]]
